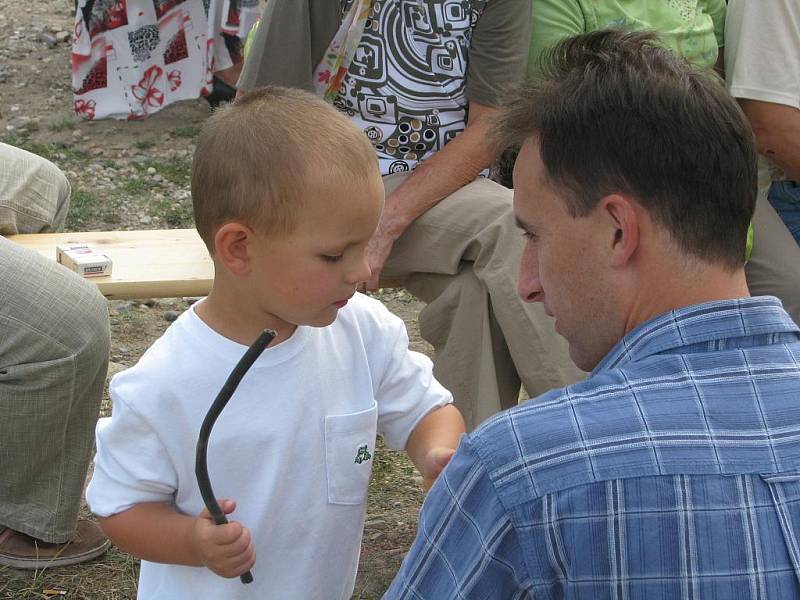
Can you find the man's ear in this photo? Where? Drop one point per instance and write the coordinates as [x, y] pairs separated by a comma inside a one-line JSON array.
[[232, 247], [624, 226]]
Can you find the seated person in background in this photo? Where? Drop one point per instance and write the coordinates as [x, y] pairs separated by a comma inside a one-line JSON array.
[[673, 471], [54, 345], [422, 82], [286, 196], [695, 30], [762, 64]]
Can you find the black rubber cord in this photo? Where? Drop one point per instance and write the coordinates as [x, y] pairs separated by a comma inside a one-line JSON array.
[[201, 464]]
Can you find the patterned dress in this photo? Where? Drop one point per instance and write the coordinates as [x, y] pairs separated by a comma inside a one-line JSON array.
[[131, 58]]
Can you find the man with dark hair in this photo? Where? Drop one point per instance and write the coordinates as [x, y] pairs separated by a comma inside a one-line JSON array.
[[672, 471]]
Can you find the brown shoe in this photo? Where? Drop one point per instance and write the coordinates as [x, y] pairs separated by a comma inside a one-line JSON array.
[[21, 551]]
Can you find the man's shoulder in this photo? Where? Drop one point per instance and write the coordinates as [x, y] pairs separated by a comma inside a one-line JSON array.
[[541, 445], [668, 414]]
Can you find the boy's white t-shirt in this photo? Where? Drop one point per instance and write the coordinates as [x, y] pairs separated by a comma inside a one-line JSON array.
[[294, 446]]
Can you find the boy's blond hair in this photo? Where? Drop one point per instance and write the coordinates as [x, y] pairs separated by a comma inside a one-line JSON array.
[[256, 158]]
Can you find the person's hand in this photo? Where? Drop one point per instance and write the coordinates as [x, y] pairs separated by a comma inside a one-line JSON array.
[[378, 250], [225, 549], [435, 460]]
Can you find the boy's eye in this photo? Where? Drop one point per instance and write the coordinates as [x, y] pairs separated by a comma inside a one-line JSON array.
[[529, 235], [329, 258]]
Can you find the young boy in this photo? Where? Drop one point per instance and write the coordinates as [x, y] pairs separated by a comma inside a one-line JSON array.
[[286, 196]]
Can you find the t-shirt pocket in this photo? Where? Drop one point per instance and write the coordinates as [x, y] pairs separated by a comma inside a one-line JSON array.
[[349, 448]]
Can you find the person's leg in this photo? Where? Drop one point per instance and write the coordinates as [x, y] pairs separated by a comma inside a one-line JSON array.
[[54, 346], [462, 259], [785, 199], [774, 267], [34, 193]]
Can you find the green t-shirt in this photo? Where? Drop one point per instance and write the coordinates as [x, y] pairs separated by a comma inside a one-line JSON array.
[[691, 28]]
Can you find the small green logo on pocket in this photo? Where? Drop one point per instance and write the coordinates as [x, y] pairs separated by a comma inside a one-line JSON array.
[[362, 455]]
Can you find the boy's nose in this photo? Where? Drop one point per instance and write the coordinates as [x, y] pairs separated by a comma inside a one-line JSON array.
[[361, 272]]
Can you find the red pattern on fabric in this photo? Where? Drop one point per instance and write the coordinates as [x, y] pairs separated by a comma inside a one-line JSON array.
[[176, 50], [116, 16], [146, 92], [232, 21], [174, 78], [96, 79], [164, 6], [85, 108]]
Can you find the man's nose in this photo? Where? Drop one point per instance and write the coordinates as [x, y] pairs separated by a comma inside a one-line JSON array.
[[529, 286]]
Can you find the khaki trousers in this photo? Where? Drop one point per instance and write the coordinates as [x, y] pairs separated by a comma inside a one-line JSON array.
[[54, 345], [774, 267], [462, 259]]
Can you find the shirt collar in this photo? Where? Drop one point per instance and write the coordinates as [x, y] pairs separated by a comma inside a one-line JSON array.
[[701, 323]]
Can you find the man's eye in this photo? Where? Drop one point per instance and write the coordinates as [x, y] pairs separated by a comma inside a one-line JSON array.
[[333, 259], [529, 235]]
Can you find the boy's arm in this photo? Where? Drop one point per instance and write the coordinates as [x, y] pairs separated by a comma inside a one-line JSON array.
[[156, 532], [434, 441]]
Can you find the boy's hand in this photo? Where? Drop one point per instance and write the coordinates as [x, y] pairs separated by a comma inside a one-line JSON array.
[[225, 549], [435, 460]]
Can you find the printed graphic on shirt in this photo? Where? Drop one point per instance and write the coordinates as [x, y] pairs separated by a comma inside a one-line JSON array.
[[406, 84], [362, 455]]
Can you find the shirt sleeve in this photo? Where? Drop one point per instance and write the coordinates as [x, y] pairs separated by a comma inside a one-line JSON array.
[[131, 463], [716, 10], [553, 20], [289, 43], [407, 389], [498, 50], [762, 51], [466, 545]]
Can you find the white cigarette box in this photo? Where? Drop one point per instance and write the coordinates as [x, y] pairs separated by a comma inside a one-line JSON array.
[[83, 259]]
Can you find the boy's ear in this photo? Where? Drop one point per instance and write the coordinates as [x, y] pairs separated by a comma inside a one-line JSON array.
[[623, 225], [232, 247]]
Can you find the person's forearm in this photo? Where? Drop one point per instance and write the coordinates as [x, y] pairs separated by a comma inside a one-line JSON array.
[[154, 531], [777, 131], [440, 428], [458, 163]]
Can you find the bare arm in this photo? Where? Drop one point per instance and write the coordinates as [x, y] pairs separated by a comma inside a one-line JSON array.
[[155, 531], [777, 131], [451, 168], [434, 441]]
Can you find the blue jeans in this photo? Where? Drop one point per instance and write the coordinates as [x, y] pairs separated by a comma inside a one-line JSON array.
[[785, 199]]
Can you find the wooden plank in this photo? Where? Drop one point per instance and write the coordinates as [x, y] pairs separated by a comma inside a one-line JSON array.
[[157, 263], [160, 263]]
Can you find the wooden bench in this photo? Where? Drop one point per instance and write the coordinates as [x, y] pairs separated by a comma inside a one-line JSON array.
[[158, 263]]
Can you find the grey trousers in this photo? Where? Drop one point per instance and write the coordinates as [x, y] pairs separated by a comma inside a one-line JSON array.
[[54, 346], [34, 193], [462, 258]]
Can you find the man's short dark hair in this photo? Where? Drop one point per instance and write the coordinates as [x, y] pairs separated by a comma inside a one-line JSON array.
[[616, 113]]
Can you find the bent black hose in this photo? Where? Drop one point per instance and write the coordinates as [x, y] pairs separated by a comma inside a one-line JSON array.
[[200, 465]]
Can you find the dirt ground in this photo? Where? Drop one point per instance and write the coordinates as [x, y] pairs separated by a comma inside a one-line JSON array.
[[135, 175]]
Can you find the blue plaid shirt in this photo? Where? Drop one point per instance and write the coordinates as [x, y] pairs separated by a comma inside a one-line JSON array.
[[672, 472]]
